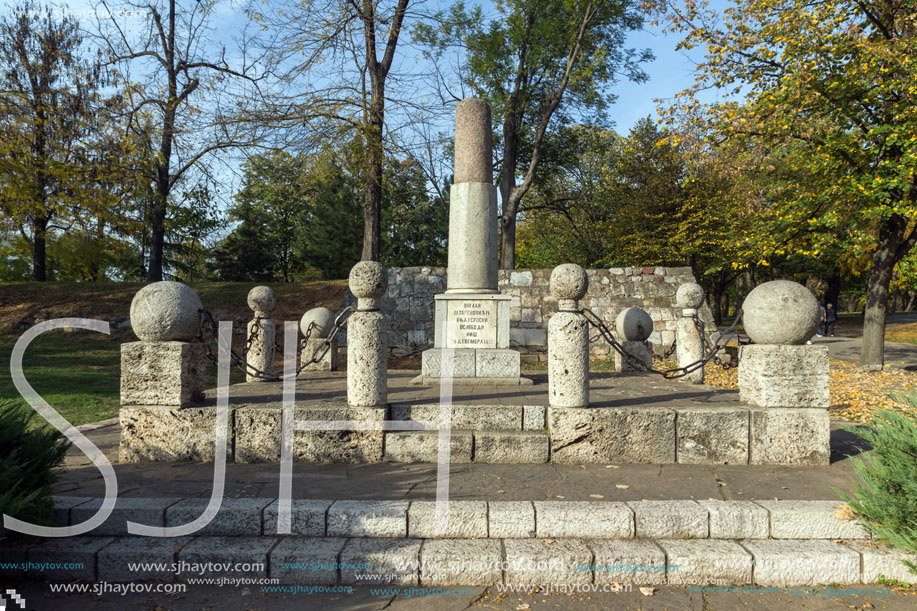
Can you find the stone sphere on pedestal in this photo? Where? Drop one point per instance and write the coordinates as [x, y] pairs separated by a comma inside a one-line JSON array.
[[166, 311], [633, 325], [569, 282], [261, 300], [689, 295], [780, 312], [321, 319], [368, 280]]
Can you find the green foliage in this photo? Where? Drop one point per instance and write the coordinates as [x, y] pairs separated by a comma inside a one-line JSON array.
[[28, 457], [886, 500]]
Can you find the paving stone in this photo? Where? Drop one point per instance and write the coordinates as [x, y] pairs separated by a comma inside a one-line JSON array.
[[634, 562], [229, 557], [460, 562], [467, 519], [737, 520], [368, 519], [584, 519], [811, 520], [148, 511], [306, 560], [542, 561], [643, 435], [392, 561], [714, 435], [796, 562], [511, 519], [62, 505], [236, 517], [307, 517], [533, 418], [706, 561], [514, 447], [669, 519], [790, 437], [72, 558], [113, 560], [882, 561], [423, 446]]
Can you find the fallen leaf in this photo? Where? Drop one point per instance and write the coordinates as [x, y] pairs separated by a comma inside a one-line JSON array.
[[622, 486], [596, 496], [647, 591]]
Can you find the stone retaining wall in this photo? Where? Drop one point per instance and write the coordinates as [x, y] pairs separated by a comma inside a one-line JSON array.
[[408, 304]]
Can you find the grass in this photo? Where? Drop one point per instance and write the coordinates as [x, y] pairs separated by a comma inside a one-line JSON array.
[[906, 333]]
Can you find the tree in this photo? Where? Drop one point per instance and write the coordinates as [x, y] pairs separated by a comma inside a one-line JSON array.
[[834, 83], [47, 109], [538, 63], [171, 54]]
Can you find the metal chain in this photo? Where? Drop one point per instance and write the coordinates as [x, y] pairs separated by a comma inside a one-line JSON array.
[[711, 351]]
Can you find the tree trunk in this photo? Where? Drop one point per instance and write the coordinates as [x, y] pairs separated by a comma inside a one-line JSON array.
[[158, 225], [911, 302], [507, 187], [833, 291], [39, 249], [852, 304], [372, 203]]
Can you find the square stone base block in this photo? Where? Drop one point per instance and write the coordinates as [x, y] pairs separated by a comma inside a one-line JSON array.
[[163, 373], [784, 376], [581, 435], [329, 361], [166, 434], [790, 437], [473, 363]]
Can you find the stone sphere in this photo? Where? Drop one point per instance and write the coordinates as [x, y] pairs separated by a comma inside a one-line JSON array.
[[261, 299], [689, 296], [321, 319], [780, 312], [633, 325], [166, 311], [569, 281], [368, 279]]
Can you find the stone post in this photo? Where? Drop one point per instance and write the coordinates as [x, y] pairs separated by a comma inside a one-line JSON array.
[[634, 327], [260, 355], [568, 340], [367, 338], [166, 367], [472, 266], [317, 324], [689, 343]]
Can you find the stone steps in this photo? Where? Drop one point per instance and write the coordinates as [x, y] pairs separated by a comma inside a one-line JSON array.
[[767, 543], [490, 447]]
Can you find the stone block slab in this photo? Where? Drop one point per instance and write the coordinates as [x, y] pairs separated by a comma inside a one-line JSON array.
[[803, 562], [461, 562], [170, 434], [497, 363], [114, 560], [67, 558], [368, 519], [533, 418], [790, 437], [706, 561], [709, 436], [612, 435], [463, 363], [60, 515], [784, 376], [669, 519], [393, 561], [881, 561], [307, 517], [464, 417], [511, 519], [147, 511], [634, 562], [466, 520], [229, 557], [236, 516], [812, 520], [737, 520], [307, 560], [520, 447], [584, 519], [163, 373], [423, 446], [541, 561]]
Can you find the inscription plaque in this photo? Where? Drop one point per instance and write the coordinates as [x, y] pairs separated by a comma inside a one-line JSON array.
[[475, 323]]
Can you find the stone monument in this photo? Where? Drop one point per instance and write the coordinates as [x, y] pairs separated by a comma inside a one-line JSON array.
[[476, 314], [568, 340], [689, 341], [317, 324], [634, 327], [260, 355]]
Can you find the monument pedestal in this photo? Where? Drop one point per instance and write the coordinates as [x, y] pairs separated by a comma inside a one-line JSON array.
[[474, 327]]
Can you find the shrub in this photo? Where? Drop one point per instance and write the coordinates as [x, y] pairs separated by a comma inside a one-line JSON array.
[[28, 457], [886, 500]]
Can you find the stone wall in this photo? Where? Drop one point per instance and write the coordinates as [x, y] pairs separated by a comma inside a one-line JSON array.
[[409, 304]]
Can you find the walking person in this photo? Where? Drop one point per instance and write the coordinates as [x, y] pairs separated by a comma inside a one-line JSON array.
[[830, 319]]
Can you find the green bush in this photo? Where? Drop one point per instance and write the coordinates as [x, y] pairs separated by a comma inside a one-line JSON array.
[[28, 457], [886, 500]]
